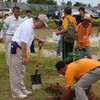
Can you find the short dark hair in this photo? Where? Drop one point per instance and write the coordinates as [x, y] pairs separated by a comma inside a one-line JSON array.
[[16, 7], [60, 64], [28, 11], [82, 8], [68, 10], [36, 19]]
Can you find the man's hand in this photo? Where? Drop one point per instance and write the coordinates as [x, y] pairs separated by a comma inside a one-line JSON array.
[[97, 35], [1, 39], [66, 94], [24, 53], [40, 41], [25, 61]]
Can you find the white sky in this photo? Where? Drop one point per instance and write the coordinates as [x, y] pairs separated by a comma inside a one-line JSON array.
[[92, 2]]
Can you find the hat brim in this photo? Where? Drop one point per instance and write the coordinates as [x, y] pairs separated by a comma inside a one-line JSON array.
[[46, 24], [86, 18]]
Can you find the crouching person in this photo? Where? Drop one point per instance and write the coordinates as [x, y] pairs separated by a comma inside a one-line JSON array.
[[22, 40], [84, 71]]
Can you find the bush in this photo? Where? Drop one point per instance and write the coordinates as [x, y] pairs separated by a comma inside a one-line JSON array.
[[52, 24], [95, 22], [34, 13], [1, 25]]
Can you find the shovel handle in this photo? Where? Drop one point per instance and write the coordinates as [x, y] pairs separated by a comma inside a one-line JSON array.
[[40, 45], [36, 72]]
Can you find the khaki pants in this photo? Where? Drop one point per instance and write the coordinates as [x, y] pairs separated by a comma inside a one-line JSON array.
[[17, 73], [7, 47], [85, 82]]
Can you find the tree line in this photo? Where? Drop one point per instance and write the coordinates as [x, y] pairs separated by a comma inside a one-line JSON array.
[[52, 2]]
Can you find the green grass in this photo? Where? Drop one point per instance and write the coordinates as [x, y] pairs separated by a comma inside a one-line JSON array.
[[48, 72]]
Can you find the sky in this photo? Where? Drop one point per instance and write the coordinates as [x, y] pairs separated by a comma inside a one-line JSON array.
[[92, 2]]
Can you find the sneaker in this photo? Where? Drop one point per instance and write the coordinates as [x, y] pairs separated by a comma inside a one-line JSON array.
[[22, 96], [60, 75], [26, 92]]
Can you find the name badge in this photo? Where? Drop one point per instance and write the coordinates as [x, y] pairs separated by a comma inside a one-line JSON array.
[[84, 37]]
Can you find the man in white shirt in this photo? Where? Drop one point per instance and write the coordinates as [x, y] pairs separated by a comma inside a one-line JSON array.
[[21, 41], [28, 16], [11, 24]]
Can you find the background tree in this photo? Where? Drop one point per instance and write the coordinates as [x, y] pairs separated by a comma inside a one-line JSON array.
[[89, 5], [15, 0], [8, 0], [79, 4], [98, 5], [69, 3], [63, 4], [48, 2]]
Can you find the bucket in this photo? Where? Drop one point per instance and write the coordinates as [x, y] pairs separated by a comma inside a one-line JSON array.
[[36, 81]]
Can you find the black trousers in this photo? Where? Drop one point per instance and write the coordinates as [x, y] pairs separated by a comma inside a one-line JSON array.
[[67, 51], [32, 50]]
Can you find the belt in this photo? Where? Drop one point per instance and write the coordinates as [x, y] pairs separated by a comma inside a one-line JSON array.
[[10, 34]]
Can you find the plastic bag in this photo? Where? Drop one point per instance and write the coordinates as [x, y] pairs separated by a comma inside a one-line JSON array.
[[55, 37]]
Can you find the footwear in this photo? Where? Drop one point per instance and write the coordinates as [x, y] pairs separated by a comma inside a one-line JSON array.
[[26, 92], [60, 75], [20, 96]]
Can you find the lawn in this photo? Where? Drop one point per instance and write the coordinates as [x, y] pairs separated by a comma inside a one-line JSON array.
[[48, 72]]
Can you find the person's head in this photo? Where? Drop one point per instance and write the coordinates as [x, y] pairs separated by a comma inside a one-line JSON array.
[[41, 21], [86, 19], [16, 11], [82, 11], [61, 67], [67, 11], [28, 13]]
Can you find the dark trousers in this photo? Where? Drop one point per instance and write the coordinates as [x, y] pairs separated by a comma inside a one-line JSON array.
[[67, 51], [32, 50]]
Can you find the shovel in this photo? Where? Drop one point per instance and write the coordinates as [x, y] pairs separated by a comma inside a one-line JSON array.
[[36, 78]]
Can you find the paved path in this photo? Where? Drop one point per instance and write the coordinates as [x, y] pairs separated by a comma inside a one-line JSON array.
[[52, 54]]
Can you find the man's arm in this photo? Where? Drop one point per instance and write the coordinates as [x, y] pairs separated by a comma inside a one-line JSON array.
[[39, 40], [24, 53], [61, 32], [66, 94], [98, 31]]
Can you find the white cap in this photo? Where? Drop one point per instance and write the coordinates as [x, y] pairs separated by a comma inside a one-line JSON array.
[[43, 18], [87, 16]]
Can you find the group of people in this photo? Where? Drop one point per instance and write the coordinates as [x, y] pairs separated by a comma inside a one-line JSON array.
[[83, 30], [84, 71], [19, 35]]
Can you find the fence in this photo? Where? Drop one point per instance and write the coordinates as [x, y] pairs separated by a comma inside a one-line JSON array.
[[25, 6]]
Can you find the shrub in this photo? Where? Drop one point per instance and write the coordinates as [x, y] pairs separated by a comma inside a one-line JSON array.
[[95, 22]]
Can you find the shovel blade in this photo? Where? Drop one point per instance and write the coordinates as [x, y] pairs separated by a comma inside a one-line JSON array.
[[36, 81]]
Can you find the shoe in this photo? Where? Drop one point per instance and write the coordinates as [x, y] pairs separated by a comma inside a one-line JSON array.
[[26, 92], [60, 75], [22, 96]]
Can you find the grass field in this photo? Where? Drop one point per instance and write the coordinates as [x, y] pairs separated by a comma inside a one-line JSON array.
[[48, 72]]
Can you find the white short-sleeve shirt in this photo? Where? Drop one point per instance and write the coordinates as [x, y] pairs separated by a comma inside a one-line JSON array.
[[25, 33], [10, 25]]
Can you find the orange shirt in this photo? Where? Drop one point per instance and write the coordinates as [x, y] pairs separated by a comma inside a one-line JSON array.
[[77, 69], [83, 35], [65, 22]]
